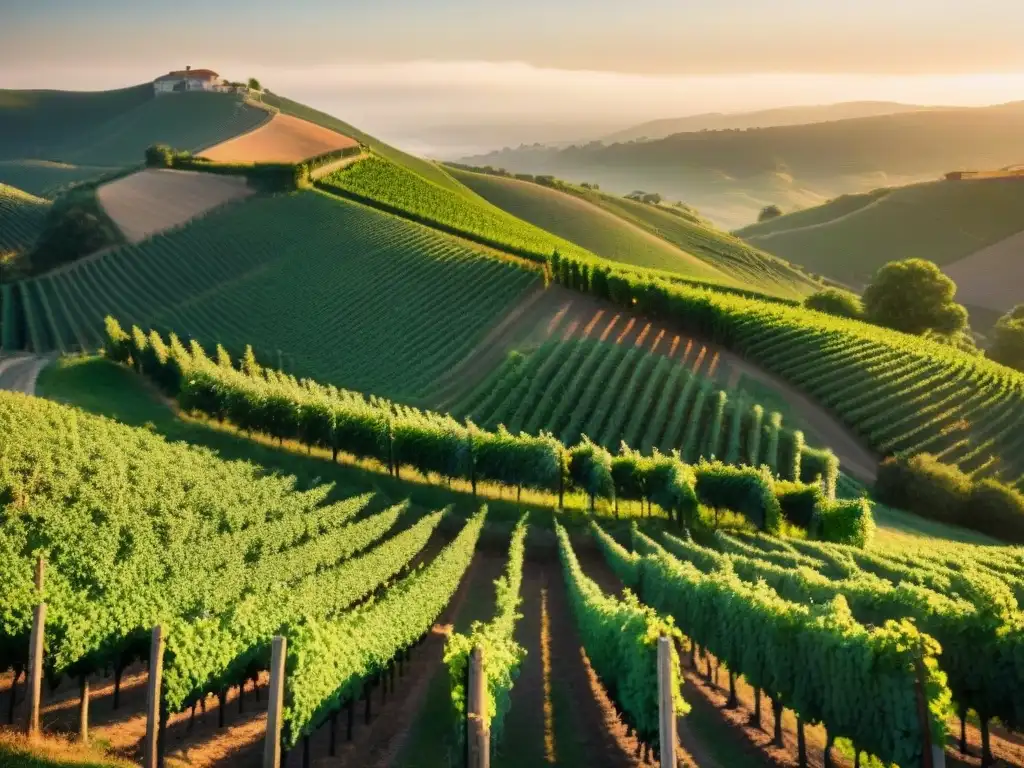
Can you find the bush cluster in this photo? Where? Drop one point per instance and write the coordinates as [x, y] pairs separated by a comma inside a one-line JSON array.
[[271, 403], [927, 487]]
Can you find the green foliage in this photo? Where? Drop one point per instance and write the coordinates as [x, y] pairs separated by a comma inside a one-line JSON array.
[[237, 275], [1008, 339], [835, 301], [75, 226], [798, 502], [844, 521], [381, 183], [746, 490], [22, 218], [160, 156], [621, 641], [590, 469], [502, 654], [768, 213], [254, 84], [329, 661], [798, 652], [913, 296]]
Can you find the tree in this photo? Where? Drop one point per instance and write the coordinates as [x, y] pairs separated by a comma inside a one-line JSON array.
[[914, 296], [1008, 339], [769, 212], [833, 301], [254, 84]]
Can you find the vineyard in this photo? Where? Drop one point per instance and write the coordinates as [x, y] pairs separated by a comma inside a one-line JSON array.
[[900, 393], [21, 220], [240, 273], [668, 241], [44, 178], [616, 393]]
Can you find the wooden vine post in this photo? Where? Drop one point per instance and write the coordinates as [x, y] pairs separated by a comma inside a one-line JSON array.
[[151, 745], [666, 704], [275, 705], [35, 656], [478, 734]]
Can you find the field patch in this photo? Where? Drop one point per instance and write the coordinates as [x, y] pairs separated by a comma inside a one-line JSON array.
[[21, 220], [45, 178], [284, 139], [325, 288], [993, 277], [154, 200], [942, 221]]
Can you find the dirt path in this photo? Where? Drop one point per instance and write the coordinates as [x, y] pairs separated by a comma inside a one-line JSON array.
[[570, 314], [18, 373], [769, 235]]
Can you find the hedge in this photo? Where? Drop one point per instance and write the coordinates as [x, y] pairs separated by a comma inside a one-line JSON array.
[[272, 403]]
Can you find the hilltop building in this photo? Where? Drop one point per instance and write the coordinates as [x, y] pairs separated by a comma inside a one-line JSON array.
[[190, 79]]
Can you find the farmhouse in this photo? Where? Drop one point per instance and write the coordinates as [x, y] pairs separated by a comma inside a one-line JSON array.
[[190, 79]]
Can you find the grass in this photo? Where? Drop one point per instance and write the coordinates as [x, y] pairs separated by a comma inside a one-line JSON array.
[[588, 226], [844, 205], [386, 305], [21, 219], [52, 752], [941, 221], [650, 236], [45, 178]]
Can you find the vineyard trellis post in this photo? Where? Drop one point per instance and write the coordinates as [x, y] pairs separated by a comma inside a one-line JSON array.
[[275, 704], [35, 658], [932, 755], [150, 756], [666, 704], [478, 735]]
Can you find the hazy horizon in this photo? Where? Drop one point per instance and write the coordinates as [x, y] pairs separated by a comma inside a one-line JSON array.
[[460, 76]]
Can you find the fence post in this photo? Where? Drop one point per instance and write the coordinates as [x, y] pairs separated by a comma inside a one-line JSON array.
[[35, 657], [275, 703], [150, 756], [83, 709], [666, 704], [478, 735]]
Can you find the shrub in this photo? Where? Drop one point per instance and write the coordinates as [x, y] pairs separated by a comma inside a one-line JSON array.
[[833, 301], [847, 521], [118, 346], [923, 485], [820, 465], [590, 470], [799, 501], [159, 156], [1008, 339], [746, 490], [769, 212], [995, 509], [914, 296]]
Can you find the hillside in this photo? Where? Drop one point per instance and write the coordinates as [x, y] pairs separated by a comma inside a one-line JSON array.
[[944, 221], [240, 273], [765, 118], [730, 175], [21, 220], [640, 234]]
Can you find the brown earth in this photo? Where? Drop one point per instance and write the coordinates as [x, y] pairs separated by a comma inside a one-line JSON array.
[[157, 199], [283, 139], [992, 277]]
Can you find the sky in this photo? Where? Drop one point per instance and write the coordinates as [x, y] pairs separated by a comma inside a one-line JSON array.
[[545, 70]]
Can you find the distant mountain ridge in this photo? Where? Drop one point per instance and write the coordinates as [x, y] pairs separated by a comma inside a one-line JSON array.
[[731, 174], [764, 118]]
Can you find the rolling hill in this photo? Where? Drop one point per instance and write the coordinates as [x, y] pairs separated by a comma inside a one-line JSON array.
[[21, 220], [730, 175], [960, 225], [765, 118], [631, 232]]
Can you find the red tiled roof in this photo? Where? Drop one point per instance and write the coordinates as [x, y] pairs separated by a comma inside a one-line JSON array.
[[198, 74]]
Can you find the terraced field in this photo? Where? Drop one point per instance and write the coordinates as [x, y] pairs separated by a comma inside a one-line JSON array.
[[330, 289], [642, 235], [943, 221], [21, 220], [379, 181], [156, 199], [45, 178], [655, 393]]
